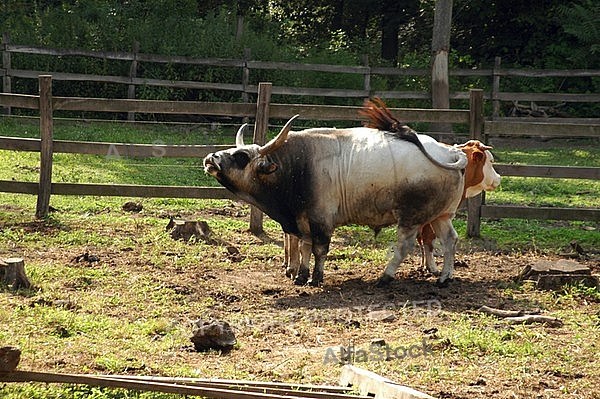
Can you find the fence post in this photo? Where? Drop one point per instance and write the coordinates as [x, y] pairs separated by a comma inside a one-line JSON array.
[[245, 75], [260, 133], [475, 130], [132, 76], [6, 64], [496, 87], [46, 132], [367, 75]]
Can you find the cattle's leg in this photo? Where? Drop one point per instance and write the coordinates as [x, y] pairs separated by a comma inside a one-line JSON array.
[[405, 244], [427, 238], [292, 255], [305, 247], [321, 237], [445, 231]]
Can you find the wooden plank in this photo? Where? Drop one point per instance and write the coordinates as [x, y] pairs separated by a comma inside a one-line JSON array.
[[19, 144], [579, 121], [81, 77], [119, 190], [566, 172], [348, 113], [173, 59], [544, 73], [318, 92], [290, 66], [549, 97], [374, 384], [19, 100], [542, 213], [115, 150], [18, 187], [220, 393], [238, 383], [130, 190], [271, 388], [19, 48], [154, 106], [493, 128]]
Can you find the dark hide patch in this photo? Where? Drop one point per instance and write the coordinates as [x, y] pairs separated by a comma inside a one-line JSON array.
[[418, 204]]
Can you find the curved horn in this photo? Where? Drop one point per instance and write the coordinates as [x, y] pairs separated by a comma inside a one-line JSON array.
[[279, 140], [239, 137]]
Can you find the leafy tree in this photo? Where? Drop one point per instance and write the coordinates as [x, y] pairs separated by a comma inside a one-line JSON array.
[[581, 22]]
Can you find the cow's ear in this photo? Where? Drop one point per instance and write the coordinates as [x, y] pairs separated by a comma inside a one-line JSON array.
[[266, 167]]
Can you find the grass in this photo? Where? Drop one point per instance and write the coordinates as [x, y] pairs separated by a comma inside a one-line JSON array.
[[131, 311]]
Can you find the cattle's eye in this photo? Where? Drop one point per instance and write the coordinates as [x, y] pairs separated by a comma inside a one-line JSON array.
[[241, 159]]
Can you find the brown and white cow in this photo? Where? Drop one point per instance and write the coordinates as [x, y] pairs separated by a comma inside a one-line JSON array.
[[318, 179], [480, 175]]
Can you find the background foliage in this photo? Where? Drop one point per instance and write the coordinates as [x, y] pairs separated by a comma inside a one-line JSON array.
[[537, 34]]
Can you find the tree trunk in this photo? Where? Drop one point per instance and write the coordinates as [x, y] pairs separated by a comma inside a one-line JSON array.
[[389, 37], [440, 92]]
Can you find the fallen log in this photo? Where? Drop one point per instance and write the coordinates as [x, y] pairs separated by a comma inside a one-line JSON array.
[[534, 318], [522, 317]]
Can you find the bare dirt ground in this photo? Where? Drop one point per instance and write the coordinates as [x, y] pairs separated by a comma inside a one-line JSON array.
[[284, 332]]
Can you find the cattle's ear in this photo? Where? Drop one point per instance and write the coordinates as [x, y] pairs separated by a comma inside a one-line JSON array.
[[266, 167]]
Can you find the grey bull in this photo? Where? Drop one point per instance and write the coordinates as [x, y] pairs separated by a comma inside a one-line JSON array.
[[315, 180]]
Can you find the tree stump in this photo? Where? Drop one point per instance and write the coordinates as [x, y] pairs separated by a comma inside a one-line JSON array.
[[12, 272], [552, 275], [9, 358]]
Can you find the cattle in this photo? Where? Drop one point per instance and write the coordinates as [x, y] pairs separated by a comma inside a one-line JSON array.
[[479, 173], [318, 179], [479, 176]]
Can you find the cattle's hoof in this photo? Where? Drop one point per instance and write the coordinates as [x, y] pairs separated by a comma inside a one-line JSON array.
[[289, 273], [384, 281], [301, 280], [315, 283], [435, 272], [443, 284]]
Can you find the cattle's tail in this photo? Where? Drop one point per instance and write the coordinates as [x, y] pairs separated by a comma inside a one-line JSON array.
[[379, 117]]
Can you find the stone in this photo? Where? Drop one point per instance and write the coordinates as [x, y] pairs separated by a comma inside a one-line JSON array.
[[217, 335]]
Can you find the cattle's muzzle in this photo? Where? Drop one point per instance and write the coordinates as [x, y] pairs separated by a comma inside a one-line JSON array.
[[211, 165]]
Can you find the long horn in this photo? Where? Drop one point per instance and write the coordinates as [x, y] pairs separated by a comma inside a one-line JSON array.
[[239, 137], [279, 140]]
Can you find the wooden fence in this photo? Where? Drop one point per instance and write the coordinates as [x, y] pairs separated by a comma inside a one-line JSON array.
[[260, 112], [246, 65]]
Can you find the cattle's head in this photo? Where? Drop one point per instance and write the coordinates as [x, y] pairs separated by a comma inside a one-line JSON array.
[[239, 169], [480, 174]]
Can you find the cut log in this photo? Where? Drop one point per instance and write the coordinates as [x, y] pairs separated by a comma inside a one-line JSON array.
[[12, 272], [553, 275], [9, 358]]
